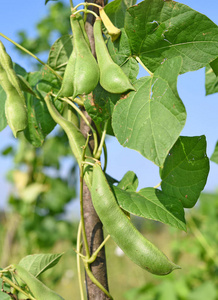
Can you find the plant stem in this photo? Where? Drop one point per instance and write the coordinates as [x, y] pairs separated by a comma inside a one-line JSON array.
[[31, 54], [86, 11], [87, 4], [105, 157], [95, 254], [81, 201], [99, 151], [79, 101], [78, 259], [86, 121], [156, 186], [6, 279], [71, 4], [141, 63], [95, 281], [201, 239]]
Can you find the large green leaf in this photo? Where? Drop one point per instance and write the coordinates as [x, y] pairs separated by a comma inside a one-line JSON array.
[[151, 119], [152, 204], [211, 81], [60, 52], [159, 29], [36, 264], [116, 11], [185, 170]]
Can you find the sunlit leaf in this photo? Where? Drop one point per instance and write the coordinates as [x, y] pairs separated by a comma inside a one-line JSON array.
[[160, 30], [36, 264], [151, 119]]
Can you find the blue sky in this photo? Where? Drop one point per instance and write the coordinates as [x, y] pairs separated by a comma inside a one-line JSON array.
[[202, 111]]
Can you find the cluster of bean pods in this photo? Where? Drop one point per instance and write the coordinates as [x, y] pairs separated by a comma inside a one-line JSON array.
[[83, 73], [112, 78]]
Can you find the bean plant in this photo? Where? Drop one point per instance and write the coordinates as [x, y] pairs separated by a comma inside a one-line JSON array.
[[90, 80]]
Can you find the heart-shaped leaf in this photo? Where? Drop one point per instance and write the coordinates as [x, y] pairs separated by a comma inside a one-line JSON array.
[[159, 29], [151, 119]]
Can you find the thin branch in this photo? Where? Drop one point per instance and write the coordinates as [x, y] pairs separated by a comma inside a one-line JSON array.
[[31, 54], [141, 63]]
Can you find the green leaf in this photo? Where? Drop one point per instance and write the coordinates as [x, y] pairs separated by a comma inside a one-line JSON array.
[[159, 29], [36, 264], [4, 296], [25, 86], [33, 132], [60, 191], [152, 204], [166, 290], [129, 182], [207, 290], [151, 119], [60, 52], [120, 52], [214, 156], [214, 66], [100, 107], [116, 11], [185, 170], [19, 70], [211, 81], [40, 123], [54, 148], [32, 191], [46, 1]]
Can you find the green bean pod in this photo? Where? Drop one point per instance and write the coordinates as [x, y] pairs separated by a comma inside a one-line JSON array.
[[37, 288], [141, 251], [82, 72], [15, 105], [82, 25], [112, 77]]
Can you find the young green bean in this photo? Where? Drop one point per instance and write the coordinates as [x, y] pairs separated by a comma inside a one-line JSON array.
[[37, 288], [126, 236], [82, 72], [15, 105], [112, 77]]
